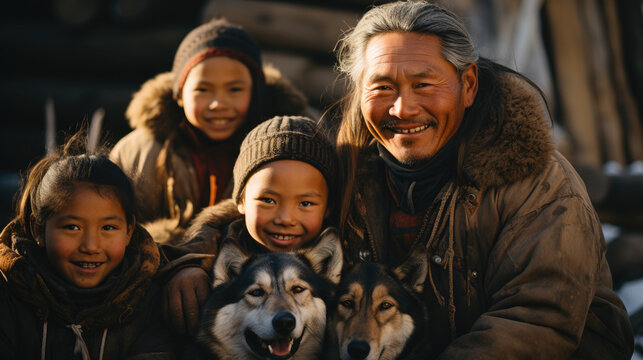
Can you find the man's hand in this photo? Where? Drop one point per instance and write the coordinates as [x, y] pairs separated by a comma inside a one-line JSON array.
[[185, 294]]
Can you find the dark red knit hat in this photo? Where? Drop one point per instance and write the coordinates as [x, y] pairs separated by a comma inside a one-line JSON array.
[[215, 38]]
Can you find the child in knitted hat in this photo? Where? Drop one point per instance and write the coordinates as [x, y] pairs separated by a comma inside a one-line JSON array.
[[190, 122], [283, 198]]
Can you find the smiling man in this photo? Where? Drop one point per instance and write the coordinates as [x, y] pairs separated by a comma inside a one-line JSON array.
[[451, 154]]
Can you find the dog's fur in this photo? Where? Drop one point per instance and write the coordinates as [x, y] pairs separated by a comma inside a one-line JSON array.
[[379, 313], [274, 298]]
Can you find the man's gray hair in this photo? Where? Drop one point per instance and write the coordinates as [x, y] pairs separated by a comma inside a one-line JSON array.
[[412, 16]]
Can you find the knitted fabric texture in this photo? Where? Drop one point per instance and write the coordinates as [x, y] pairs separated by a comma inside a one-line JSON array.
[[284, 138], [215, 38]]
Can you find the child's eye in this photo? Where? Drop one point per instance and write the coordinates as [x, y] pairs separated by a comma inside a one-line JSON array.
[[200, 90], [306, 203], [71, 227], [267, 200], [109, 227], [237, 89]]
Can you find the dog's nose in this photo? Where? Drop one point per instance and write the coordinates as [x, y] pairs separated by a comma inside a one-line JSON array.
[[284, 322], [358, 349]]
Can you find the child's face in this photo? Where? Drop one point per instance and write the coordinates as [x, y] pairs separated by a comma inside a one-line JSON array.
[[87, 238], [216, 96], [285, 203]]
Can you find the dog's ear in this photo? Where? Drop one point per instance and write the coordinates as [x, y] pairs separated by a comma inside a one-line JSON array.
[[326, 256], [413, 271], [228, 263]]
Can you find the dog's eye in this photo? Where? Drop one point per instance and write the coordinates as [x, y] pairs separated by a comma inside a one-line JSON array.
[[256, 292], [385, 305], [297, 289], [349, 304]]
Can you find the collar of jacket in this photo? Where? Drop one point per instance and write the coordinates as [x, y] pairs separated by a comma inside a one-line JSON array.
[[119, 303], [153, 107]]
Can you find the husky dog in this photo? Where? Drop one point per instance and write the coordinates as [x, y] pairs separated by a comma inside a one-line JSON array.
[[269, 306], [379, 313]]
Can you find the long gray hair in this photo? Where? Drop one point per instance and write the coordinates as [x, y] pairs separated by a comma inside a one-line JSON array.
[[415, 17]]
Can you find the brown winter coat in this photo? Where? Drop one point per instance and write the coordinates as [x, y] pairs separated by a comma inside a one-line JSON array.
[[122, 324], [165, 180], [518, 267]]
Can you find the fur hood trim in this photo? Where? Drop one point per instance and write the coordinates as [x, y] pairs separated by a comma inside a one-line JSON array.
[[153, 107], [523, 146], [212, 221]]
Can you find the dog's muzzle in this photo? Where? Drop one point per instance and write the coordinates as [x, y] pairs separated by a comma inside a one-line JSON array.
[[282, 346]]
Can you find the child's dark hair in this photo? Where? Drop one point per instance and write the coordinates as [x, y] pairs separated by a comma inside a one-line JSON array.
[[50, 183]]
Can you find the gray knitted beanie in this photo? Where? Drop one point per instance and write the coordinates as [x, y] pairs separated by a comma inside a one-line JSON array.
[[284, 138]]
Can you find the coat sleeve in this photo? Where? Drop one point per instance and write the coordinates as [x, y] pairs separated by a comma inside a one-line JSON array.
[[543, 273]]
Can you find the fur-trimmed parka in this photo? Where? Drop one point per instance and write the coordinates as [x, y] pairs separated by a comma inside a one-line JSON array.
[[43, 317], [518, 267], [164, 176]]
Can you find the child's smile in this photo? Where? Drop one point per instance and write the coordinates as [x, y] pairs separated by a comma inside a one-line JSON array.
[[86, 240], [285, 204]]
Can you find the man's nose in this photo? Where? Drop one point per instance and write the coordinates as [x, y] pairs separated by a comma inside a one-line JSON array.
[[405, 105]]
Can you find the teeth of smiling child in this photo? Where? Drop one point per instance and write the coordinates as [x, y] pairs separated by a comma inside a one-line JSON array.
[[89, 265], [414, 130], [219, 121], [284, 237]]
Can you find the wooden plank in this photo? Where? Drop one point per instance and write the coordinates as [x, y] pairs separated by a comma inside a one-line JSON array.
[[284, 25], [630, 113], [572, 80], [599, 62]]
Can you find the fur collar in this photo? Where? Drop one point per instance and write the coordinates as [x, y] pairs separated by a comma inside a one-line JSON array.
[[120, 303], [154, 109], [522, 148], [212, 221]]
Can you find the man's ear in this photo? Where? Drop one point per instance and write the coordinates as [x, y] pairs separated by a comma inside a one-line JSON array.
[[228, 263], [470, 84], [326, 256]]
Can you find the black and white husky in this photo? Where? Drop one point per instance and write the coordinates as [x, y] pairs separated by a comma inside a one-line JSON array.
[[269, 306]]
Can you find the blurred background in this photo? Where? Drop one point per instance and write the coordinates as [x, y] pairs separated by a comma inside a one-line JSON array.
[[71, 61]]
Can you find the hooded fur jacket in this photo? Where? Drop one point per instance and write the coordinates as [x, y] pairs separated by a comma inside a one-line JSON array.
[[517, 256], [117, 320], [164, 177]]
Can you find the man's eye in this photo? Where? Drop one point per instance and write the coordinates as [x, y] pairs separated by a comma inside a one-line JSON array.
[[383, 87], [256, 292], [109, 227]]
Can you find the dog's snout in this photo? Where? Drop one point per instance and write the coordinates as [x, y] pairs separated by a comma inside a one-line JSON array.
[[284, 322], [358, 349]]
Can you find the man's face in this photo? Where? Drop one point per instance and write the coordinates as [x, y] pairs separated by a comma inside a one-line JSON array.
[[412, 99]]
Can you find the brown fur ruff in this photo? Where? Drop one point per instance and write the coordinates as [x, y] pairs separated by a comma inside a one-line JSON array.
[[523, 146], [153, 107], [212, 220]]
